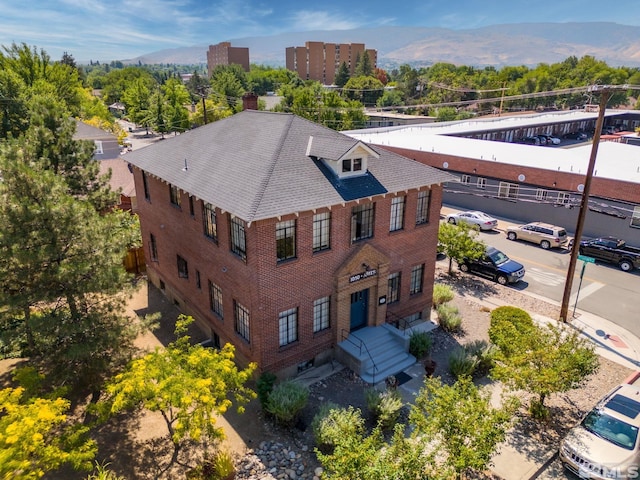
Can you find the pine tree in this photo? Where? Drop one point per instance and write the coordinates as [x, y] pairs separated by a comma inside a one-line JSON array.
[[342, 76]]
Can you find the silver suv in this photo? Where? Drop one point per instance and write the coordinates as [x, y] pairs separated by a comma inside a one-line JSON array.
[[605, 443], [544, 234]]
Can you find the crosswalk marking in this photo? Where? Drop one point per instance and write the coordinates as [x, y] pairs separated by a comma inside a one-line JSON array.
[[585, 292], [546, 278]]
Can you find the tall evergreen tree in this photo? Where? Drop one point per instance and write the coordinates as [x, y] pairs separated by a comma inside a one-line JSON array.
[[342, 76], [61, 252], [363, 66]]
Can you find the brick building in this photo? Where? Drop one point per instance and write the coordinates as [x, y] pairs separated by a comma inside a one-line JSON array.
[[320, 61], [529, 182], [281, 236], [224, 54]]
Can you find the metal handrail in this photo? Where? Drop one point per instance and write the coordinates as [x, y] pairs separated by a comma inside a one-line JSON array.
[[401, 323], [360, 346]]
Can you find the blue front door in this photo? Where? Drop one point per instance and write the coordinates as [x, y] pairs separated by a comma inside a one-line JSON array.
[[359, 309]]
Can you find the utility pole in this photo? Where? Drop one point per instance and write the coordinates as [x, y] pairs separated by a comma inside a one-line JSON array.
[[202, 93], [605, 93]]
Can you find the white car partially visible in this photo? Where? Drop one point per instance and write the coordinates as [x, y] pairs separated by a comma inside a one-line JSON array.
[[474, 217]]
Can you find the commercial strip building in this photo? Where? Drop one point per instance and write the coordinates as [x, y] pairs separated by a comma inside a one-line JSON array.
[[320, 61], [284, 237], [531, 182]]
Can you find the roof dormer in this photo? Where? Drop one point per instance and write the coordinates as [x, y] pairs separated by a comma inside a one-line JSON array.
[[346, 157]]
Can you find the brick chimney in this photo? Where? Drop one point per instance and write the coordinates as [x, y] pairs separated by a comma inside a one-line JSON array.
[[250, 101]]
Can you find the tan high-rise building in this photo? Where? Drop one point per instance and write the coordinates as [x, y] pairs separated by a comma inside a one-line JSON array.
[[321, 61], [224, 54]]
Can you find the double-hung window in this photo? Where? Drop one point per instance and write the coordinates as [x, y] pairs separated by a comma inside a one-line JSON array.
[[417, 275], [321, 314], [241, 320], [174, 195], [288, 326], [422, 209], [321, 231], [635, 217], [215, 299], [238, 239], [286, 240], [508, 190], [209, 222], [153, 248], [393, 291], [396, 222], [145, 186], [362, 221], [183, 267]]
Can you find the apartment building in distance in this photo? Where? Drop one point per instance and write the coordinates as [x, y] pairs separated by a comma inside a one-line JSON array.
[[224, 54], [288, 240], [320, 61]]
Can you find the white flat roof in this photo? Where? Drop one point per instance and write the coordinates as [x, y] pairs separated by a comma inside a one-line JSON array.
[[614, 160]]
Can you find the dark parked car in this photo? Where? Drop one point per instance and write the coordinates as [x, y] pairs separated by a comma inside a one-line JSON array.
[[612, 250], [575, 136], [494, 265]]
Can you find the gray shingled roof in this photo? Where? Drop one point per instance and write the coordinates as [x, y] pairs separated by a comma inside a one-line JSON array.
[[254, 165]]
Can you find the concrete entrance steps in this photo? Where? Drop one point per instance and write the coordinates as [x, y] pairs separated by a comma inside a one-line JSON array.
[[376, 352]]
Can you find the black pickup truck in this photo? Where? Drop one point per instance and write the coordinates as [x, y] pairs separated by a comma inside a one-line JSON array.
[[612, 250]]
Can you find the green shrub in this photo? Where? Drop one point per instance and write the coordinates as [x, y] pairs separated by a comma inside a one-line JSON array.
[[264, 387], [389, 408], [484, 353], [223, 465], [420, 344], [322, 413], [441, 294], [286, 400], [219, 466], [372, 399], [448, 318], [461, 364], [338, 424]]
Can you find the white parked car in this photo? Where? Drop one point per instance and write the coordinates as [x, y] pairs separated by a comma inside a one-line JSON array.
[[481, 219]]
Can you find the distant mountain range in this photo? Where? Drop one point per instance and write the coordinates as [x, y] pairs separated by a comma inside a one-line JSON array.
[[498, 45]]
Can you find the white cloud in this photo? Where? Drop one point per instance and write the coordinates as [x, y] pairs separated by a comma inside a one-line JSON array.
[[317, 20]]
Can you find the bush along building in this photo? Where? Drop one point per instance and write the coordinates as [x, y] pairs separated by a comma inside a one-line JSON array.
[[293, 242]]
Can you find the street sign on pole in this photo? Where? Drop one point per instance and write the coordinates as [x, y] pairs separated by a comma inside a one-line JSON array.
[[586, 259]]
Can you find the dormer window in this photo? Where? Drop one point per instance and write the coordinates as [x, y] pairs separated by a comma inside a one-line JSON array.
[[351, 165], [344, 156]]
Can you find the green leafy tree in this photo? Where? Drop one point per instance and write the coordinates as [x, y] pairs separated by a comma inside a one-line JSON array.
[[196, 85], [459, 241], [262, 79], [176, 96], [188, 384], [342, 75], [214, 111], [137, 99], [390, 98], [116, 81], [460, 423], [13, 111], [40, 74], [35, 437], [541, 360], [365, 89]]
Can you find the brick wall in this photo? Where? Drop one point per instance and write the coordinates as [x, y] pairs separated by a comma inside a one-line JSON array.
[[267, 287]]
